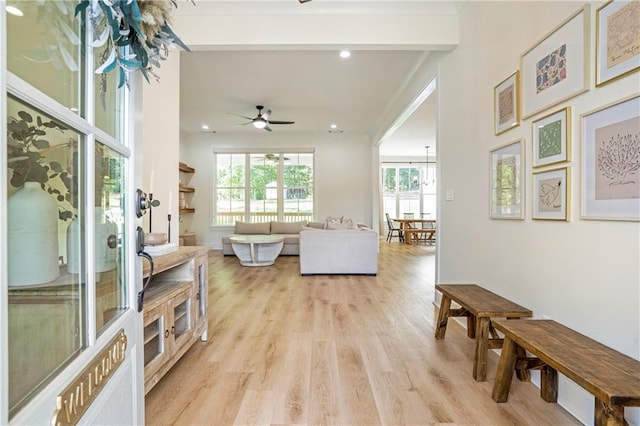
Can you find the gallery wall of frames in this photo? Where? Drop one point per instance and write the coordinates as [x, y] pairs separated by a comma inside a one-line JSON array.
[[555, 69]]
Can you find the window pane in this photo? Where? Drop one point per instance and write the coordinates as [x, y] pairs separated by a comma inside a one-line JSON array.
[[44, 48], [230, 184], [298, 187], [111, 289], [46, 270], [263, 184]]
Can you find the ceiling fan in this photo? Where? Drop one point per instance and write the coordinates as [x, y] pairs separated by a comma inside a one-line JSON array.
[[261, 121], [271, 157]]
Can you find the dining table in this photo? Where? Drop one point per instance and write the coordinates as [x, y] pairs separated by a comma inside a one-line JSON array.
[[410, 227]]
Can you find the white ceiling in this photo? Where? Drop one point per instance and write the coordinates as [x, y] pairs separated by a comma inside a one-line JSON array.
[[314, 88]]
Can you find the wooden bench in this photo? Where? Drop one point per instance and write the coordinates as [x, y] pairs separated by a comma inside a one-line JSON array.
[[612, 377], [479, 306]]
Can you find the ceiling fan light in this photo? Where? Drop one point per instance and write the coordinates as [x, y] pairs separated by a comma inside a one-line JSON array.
[[259, 123]]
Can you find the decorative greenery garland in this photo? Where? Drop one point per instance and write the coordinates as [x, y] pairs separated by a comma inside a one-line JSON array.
[[136, 32]]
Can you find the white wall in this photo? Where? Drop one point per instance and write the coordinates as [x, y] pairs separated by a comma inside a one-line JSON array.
[[584, 274], [343, 183], [161, 138]]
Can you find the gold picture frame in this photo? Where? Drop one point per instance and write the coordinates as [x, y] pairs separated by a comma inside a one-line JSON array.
[[610, 183], [556, 68], [551, 138], [551, 194], [506, 103], [506, 165], [617, 40]]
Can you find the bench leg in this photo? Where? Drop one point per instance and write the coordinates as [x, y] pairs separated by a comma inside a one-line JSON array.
[[471, 326], [443, 316], [549, 384], [524, 375], [482, 340], [608, 415], [504, 375]]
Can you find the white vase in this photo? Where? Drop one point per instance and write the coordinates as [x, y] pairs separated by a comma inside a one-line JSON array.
[[105, 257], [32, 237]]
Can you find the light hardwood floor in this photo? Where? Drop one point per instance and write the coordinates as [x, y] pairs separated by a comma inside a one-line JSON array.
[[340, 350]]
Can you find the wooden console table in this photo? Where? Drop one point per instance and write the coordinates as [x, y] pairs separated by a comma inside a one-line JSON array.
[[612, 377], [479, 306], [175, 309]]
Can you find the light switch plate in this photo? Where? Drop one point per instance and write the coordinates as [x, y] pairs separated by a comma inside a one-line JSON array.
[[449, 195]]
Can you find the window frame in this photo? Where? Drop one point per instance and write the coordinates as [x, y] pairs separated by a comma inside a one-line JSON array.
[[248, 216]]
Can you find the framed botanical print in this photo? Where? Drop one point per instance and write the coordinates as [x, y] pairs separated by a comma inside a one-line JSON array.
[[507, 181], [551, 137], [617, 40], [556, 68], [506, 104], [551, 194], [611, 161]]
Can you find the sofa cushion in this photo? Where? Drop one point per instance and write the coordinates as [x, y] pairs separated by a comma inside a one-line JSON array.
[[291, 238], [252, 228], [316, 225], [287, 227]]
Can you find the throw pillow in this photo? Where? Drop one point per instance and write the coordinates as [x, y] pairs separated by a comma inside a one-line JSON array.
[[252, 228], [340, 226]]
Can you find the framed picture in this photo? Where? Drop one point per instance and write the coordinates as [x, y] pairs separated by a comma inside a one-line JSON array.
[[507, 181], [506, 104], [551, 194], [551, 137], [617, 40], [556, 68], [611, 161]]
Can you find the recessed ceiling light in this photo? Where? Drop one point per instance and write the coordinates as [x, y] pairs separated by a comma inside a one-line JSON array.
[[345, 54], [205, 127], [14, 11], [334, 126]]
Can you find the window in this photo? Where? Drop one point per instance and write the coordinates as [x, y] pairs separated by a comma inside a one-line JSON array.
[[409, 189], [262, 186]]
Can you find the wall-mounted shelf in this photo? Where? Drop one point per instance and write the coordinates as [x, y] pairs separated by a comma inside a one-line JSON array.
[[186, 169], [184, 189]]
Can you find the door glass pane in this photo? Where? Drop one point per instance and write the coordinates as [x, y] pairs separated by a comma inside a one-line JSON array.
[[44, 48], [45, 269], [109, 102], [111, 289]]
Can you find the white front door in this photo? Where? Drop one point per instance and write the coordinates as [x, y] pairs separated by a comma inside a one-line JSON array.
[[70, 333]]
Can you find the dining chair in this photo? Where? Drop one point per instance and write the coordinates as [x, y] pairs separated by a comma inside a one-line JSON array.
[[393, 229]]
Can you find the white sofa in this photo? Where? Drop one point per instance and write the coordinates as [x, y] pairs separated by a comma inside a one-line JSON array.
[[352, 251]]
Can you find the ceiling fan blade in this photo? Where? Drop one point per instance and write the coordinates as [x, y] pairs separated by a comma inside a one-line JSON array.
[[242, 124], [266, 114], [267, 128], [281, 122], [238, 115]]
